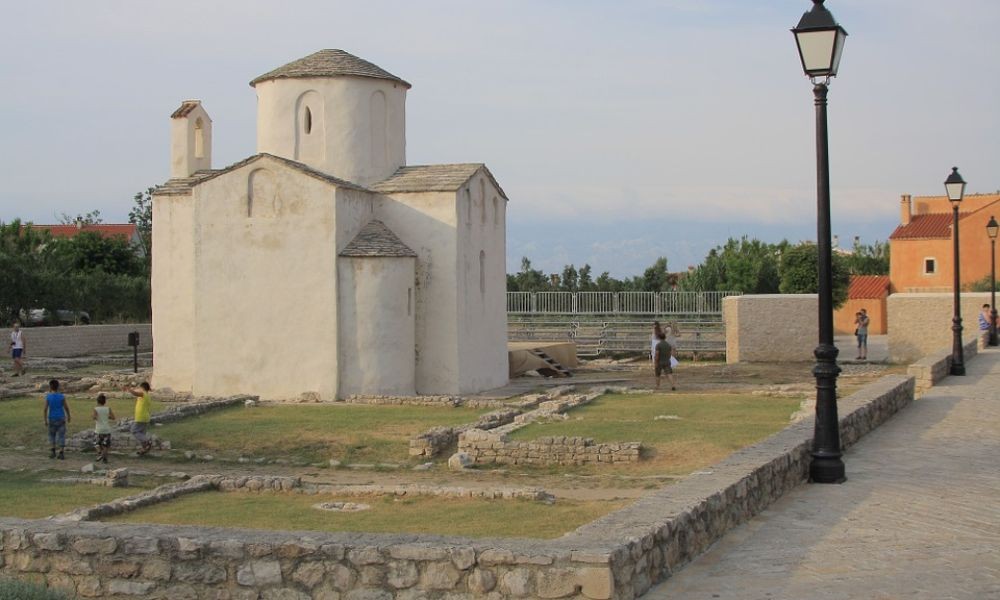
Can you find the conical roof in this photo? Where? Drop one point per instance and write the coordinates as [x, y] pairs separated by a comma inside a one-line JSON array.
[[329, 63], [375, 239]]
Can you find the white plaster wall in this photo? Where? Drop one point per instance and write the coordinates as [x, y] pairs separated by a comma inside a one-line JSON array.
[[266, 285], [377, 326], [482, 311], [344, 124], [771, 327], [920, 323], [183, 158], [426, 222], [173, 297]]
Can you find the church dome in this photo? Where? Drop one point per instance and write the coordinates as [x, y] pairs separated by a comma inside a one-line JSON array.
[[329, 63]]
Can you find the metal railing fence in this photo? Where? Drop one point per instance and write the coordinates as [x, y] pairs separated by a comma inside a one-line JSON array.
[[609, 303]]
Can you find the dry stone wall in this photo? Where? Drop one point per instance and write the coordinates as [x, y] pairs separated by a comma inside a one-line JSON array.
[[485, 447], [931, 369], [770, 327], [81, 340], [619, 556], [920, 324]]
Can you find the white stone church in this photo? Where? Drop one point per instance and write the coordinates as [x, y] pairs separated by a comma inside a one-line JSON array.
[[324, 263]]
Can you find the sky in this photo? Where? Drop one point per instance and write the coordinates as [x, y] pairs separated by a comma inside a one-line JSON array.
[[621, 131]]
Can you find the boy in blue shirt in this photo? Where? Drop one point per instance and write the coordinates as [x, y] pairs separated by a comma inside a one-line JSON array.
[[56, 414]]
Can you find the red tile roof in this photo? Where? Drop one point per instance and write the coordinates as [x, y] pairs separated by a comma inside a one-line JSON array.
[[864, 287], [933, 225], [125, 230]]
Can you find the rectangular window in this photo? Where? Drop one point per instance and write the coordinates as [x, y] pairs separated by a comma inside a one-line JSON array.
[[930, 266]]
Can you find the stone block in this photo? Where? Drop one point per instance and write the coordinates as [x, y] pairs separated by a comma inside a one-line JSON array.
[[130, 587], [517, 583], [439, 576], [48, 541], [259, 573], [557, 583], [402, 574], [284, 594], [309, 574], [482, 581], [597, 584]]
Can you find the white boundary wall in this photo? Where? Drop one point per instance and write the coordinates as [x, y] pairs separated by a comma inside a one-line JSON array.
[[920, 324], [79, 340], [770, 327]]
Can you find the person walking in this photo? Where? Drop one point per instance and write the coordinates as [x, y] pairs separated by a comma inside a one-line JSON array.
[[17, 349], [56, 415], [141, 424], [984, 324], [102, 427], [861, 321], [661, 361], [654, 339]]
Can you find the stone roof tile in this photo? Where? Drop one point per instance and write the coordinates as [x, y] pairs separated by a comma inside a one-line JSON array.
[[328, 63], [433, 178], [185, 109], [179, 186], [376, 240]]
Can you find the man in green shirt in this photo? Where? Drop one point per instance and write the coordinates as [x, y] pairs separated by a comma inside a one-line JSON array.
[[661, 361]]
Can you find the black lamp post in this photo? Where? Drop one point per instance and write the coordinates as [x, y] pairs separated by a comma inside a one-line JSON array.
[[955, 187], [992, 228], [821, 42]]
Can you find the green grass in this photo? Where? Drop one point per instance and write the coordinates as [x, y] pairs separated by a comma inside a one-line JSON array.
[[14, 589], [23, 423], [710, 427], [424, 514], [350, 433], [24, 495]]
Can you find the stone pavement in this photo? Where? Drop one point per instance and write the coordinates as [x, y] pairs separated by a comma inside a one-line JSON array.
[[919, 517]]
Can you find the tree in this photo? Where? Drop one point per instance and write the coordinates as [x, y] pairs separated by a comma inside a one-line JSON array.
[[799, 274], [27, 273], [656, 278], [91, 218], [569, 281], [868, 260], [586, 284], [89, 251], [741, 265], [141, 216]]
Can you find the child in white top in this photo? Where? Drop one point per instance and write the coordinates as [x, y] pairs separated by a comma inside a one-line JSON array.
[[102, 427]]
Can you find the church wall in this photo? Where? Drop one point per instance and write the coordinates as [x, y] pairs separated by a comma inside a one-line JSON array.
[[426, 222], [265, 284], [377, 326], [361, 119], [482, 311], [173, 298]]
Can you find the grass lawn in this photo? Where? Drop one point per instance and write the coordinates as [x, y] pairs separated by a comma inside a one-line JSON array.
[[351, 433], [710, 427], [23, 424], [388, 514], [24, 495]]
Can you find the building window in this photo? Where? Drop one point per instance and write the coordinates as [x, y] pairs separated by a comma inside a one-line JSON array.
[[930, 266], [496, 211], [468, 206], [409, 301], [482, 272], [199, 138], [307, 121]]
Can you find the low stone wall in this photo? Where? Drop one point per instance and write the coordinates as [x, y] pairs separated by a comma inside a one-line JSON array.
[[618, 556], [80, 340], [931, 369], [770, 327], [446, 491], [920, 324], [437, 440], [488, 448]]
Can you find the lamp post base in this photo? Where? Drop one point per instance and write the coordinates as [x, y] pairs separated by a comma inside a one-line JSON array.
[[827, 469]]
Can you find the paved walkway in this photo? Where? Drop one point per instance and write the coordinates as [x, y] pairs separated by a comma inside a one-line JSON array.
[[919, 517]]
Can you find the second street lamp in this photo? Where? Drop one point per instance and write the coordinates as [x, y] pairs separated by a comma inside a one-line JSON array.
[[955, 187], [821, 42], [992, 228]]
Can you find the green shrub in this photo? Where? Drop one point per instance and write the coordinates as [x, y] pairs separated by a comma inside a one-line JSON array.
[[13, 589]]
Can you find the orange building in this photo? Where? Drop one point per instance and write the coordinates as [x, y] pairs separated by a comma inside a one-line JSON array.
[[868, 292], [920, 250]]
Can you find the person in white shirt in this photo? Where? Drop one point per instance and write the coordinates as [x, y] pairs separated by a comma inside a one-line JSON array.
[[17, 349]]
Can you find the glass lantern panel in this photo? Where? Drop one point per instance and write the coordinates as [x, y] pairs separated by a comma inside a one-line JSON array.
[[816, 48], [955, 191]]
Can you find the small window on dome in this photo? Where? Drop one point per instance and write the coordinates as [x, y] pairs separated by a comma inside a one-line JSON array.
[[308, 121]]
